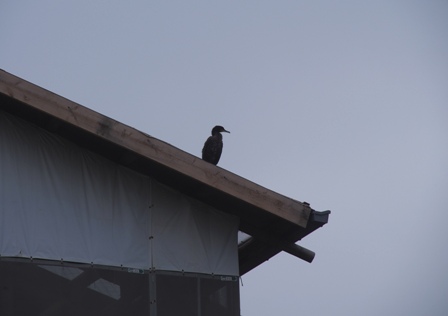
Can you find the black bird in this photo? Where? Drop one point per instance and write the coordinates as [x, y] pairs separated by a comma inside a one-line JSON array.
[[213, 146]]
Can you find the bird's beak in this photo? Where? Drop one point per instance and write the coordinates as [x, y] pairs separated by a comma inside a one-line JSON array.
[[226, 131]]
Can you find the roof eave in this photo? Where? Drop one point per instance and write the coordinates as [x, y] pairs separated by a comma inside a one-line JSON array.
[[258, 208]]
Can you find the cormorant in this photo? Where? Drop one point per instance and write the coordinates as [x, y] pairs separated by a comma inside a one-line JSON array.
[[213, 146]]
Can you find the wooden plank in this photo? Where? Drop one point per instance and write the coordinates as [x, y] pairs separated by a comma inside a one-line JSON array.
[[154, 149]]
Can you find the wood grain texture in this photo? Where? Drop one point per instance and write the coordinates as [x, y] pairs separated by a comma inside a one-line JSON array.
[[152, 148]]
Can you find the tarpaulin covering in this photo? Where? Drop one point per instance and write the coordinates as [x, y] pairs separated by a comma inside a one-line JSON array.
[[59, 201]]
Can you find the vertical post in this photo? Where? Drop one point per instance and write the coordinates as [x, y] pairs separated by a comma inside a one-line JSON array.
[[198, 280], [152, 293]]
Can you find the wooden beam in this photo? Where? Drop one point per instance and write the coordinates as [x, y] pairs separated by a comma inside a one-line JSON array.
[[145, 145]]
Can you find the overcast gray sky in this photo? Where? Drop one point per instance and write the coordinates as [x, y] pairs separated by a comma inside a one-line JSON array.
[[343, 104]]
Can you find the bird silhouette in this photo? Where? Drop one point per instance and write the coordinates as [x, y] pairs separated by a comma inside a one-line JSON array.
[[213, 145]]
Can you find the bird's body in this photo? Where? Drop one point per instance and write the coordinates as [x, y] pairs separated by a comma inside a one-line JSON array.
[[213, 146]]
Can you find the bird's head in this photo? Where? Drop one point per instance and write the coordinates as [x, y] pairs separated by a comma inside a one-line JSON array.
[[218, 129]]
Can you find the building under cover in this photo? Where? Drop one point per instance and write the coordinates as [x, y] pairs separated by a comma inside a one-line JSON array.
[[97, 218]]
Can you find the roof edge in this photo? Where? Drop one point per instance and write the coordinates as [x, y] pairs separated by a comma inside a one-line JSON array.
[[153, 149]]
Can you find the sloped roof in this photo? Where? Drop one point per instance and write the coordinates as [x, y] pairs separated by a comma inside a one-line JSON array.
[[273, 221]]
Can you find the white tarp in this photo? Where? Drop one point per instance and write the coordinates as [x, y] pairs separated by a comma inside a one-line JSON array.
[[209, 238], [61, 202]]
